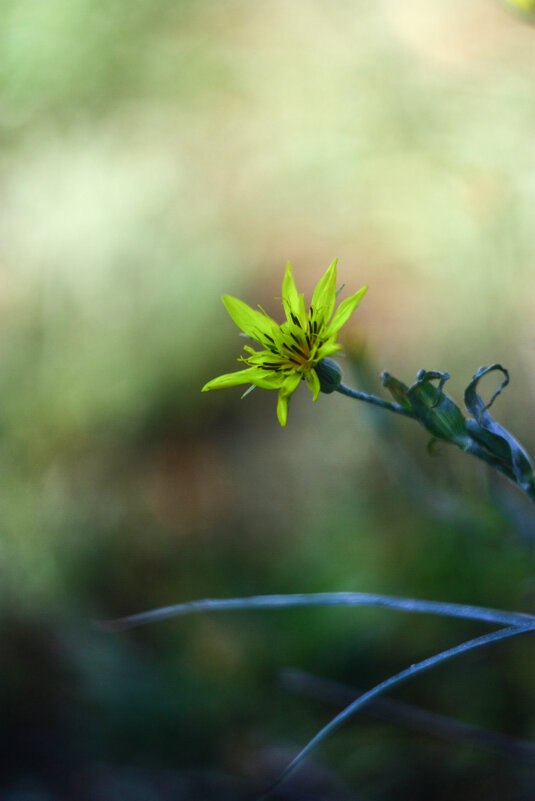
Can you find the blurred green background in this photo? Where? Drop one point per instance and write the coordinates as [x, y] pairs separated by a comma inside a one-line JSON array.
[[155, 155]]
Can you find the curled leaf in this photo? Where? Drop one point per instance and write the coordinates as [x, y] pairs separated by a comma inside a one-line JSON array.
[[493, 437], [474, 402]]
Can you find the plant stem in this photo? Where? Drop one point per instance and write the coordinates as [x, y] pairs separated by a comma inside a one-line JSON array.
[[393, 681], [527, 486], [363, 396]]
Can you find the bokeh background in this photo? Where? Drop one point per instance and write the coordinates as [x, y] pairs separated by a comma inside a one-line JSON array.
[[154, 156]]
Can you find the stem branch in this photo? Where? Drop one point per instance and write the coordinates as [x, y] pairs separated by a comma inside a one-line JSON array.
[[473, 448], [363, 396]]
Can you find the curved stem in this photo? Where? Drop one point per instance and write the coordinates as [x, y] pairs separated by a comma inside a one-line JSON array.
[[317, 599], [383, 404], [393, 681]]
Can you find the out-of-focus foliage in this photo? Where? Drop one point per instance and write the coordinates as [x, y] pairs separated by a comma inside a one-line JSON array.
[[155, 155], [523, 5]]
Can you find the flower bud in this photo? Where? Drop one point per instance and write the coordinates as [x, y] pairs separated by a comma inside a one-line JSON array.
[[329, 374]]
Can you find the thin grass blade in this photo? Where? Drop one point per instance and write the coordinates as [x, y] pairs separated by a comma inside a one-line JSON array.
[[365, 599], [388, 684]]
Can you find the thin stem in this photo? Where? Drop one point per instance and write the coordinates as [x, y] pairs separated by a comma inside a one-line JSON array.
[[363, 396], [317, 599], [528, 486], [413, 717], [393, 681]]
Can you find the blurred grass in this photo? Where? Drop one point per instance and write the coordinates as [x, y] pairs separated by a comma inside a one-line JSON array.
[[153, 157]]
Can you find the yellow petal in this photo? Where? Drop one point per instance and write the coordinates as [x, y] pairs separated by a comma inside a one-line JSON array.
[[282, 408], [293, 302], [252, 322], [328, 348], [290, 384], [261, 357], [324, 297], [313, 383], [253, 375], [344, 312]]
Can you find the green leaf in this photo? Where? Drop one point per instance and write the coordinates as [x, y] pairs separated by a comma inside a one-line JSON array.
[[435, 410]]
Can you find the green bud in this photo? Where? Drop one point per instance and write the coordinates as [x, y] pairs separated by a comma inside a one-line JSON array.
[[329, 374], [397, 389], [435, 410]]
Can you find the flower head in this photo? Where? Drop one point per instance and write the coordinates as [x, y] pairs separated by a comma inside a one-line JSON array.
[[291, 351]]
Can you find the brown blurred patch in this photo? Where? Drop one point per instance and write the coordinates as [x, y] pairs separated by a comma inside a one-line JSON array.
[[187, 486]]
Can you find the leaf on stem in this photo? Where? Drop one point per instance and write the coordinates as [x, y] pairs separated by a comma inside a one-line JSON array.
[[491, 436]]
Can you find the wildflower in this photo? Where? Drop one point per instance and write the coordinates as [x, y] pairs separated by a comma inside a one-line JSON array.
[[293, 350]]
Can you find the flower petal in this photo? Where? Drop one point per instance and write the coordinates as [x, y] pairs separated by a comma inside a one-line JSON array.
[[252, 322], [291, 382], [265, 357], [293, 302], [282, 408], [328, 348], [253, 375], [289, 292], [324, 297], [313, 383], [344, 312]]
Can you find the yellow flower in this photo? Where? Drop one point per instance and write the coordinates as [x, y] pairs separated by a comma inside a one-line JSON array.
[[294, 349]]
